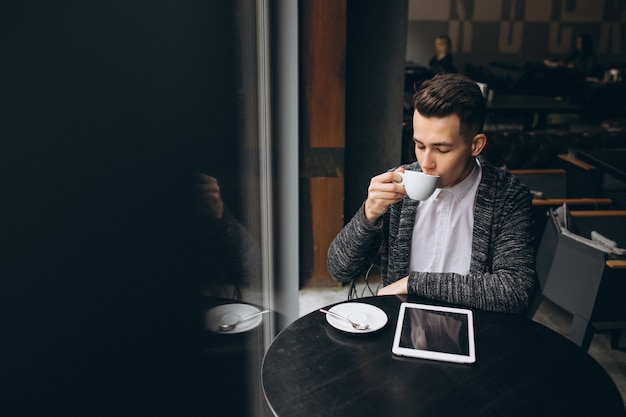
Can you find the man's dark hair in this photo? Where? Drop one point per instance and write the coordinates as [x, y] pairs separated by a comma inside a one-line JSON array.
[[447, 94]]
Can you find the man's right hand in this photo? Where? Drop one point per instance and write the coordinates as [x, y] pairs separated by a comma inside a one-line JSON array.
[[383, 191]]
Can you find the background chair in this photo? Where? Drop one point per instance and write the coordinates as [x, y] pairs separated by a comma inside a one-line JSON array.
[[583, 178], [581, 277]]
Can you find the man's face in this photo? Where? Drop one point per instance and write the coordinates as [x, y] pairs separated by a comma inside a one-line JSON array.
[[441, 150]]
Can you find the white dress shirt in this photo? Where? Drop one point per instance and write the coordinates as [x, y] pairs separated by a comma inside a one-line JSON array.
[[442, 235]]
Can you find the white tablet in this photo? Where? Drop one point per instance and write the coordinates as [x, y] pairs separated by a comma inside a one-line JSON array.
[[435, 332]]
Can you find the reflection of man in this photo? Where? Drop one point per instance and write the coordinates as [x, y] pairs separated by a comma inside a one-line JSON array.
[[428, 330], [470, 243], [209, 196], [232, 254]]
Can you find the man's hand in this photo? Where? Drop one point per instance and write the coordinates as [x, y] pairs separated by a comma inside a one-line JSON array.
[[399, 287], [383, 191]]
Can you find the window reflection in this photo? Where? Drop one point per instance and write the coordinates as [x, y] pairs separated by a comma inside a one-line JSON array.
[[231, 255], [124, 119], [227, 212]]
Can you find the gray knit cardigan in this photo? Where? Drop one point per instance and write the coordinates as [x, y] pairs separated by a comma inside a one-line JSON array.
[[502, 268]]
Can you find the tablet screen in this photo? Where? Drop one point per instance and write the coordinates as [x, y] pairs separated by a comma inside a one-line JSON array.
[[435, 332]]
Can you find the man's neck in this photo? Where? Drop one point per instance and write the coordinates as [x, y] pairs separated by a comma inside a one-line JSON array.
[[469, 167]]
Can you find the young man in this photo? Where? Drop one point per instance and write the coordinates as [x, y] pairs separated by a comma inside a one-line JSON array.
[[470, 243]]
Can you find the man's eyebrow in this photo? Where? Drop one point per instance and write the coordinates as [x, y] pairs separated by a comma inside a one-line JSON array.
[[434, 144]]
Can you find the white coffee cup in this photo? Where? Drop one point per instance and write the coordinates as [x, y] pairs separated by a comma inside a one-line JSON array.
[[418, 186]]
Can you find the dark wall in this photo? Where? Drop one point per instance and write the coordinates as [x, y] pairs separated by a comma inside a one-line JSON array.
[[375, 53], [108, 108]]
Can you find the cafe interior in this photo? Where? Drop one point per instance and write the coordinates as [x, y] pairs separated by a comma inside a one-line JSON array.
[[174, 172]]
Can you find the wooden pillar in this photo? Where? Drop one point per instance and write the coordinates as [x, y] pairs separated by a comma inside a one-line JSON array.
[[323, 50]]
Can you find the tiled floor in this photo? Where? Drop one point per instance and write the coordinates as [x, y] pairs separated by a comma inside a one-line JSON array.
[[613, 361]]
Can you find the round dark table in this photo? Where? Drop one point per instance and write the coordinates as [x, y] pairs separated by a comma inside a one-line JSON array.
[[522, 369]]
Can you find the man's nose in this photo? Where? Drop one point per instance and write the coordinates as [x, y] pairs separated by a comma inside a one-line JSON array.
[[428, 160]]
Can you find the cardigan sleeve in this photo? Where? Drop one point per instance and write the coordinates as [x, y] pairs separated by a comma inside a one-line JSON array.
[[355, 248], [502, 270]]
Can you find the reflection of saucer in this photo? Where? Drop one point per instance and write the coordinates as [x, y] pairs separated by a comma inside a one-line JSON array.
[[358, 312], [231, 313]]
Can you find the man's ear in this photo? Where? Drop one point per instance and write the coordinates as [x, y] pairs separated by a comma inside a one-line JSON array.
[[478, 144]]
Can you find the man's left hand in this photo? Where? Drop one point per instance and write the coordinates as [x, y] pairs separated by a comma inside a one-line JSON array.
[[399, 287]]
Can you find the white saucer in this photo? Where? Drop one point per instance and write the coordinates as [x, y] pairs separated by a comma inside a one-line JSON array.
[[229, 314], [360, 313]]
